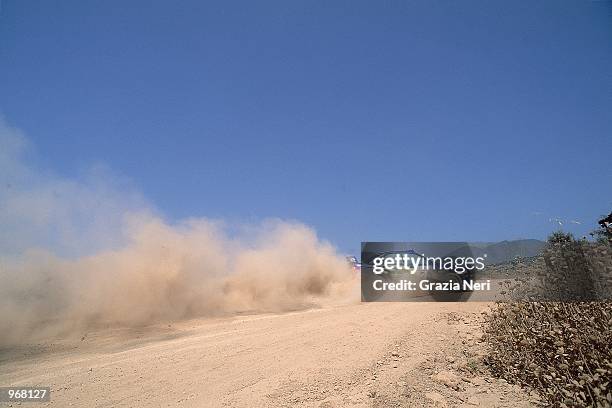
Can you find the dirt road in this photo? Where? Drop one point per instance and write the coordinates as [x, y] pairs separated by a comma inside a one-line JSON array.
[[376, 354]]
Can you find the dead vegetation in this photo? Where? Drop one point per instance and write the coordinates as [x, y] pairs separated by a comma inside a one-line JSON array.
[[556, 339], [560, 349]]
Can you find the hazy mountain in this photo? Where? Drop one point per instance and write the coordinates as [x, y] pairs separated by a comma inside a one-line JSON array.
[[504, 251]]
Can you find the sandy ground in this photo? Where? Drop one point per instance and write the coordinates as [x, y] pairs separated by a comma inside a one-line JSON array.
[[361, 355]]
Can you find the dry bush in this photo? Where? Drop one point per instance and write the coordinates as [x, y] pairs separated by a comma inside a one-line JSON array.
[[561, 348]]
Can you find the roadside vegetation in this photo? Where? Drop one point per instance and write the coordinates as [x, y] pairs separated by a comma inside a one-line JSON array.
[[554, 334]]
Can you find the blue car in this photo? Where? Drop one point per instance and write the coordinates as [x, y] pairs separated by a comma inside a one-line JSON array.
[[354, 263]]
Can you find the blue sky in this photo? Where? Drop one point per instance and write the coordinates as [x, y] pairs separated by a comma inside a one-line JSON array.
[[403, 120]]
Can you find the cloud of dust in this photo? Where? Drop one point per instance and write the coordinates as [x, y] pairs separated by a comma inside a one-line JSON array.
[[76, 254]]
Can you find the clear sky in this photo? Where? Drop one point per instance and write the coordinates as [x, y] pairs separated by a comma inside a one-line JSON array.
[[395, 120]]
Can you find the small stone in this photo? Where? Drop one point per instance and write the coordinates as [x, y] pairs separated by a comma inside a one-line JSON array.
[[436, 400], [447, 378], [477, 381], [472, 401]]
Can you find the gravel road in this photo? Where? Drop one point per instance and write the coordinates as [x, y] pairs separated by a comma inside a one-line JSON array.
[[375, 354]]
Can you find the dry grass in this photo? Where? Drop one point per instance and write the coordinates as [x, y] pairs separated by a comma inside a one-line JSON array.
[[561, 348]]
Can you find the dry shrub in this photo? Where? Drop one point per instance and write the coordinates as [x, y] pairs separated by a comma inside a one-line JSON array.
[[560, 348]]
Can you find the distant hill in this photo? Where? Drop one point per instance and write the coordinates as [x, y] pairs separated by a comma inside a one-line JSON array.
[[504, 251]]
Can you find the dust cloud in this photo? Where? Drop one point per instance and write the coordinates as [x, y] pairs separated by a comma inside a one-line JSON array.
[[76, 254]]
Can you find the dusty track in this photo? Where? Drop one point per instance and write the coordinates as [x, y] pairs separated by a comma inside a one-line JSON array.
[[378, 354]]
